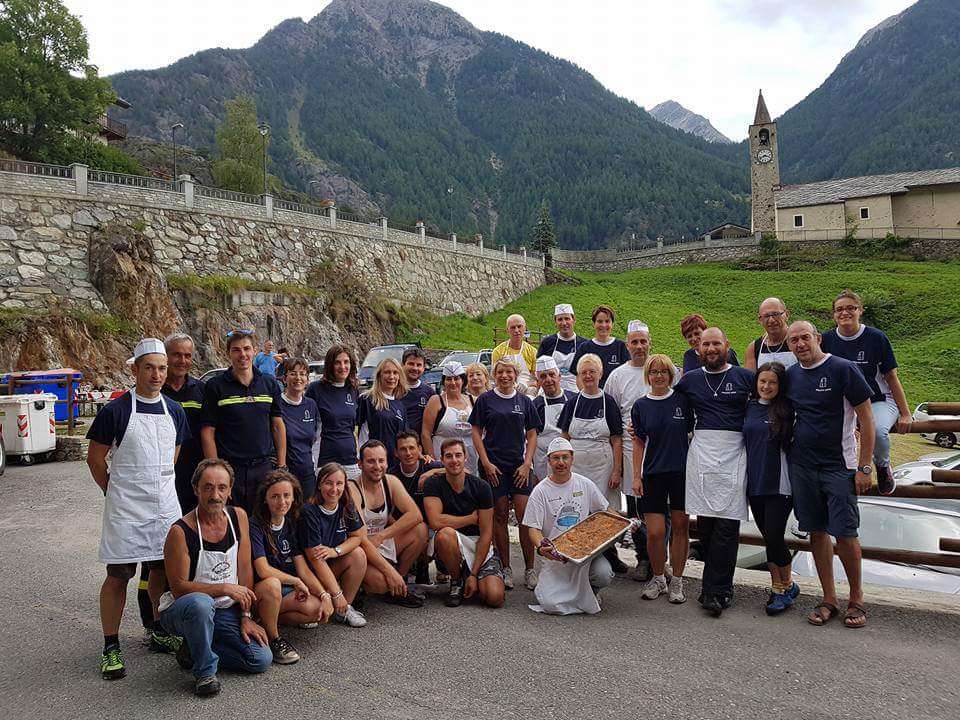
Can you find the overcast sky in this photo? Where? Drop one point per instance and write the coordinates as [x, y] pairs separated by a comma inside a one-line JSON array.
[[701, 53]]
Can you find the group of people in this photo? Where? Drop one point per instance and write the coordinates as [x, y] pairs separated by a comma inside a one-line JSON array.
[[252, 505]]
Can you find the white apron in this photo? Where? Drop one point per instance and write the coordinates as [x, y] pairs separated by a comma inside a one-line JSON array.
[[551, 413], [717, 475], [782, 356], [564, 589], [568, 381], [456, 424], [592, 453], [214, 567], [376, 522], [141, 501], [468, 549]]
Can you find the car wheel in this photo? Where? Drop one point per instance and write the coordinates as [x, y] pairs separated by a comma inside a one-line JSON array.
[[3, 457], [696, 552], [945, 439]]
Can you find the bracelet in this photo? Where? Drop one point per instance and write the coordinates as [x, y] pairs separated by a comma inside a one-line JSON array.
[[326, 594], [336, 595]]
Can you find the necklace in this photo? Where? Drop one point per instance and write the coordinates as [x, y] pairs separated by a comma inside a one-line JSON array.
[[719, 385], [769, 347]]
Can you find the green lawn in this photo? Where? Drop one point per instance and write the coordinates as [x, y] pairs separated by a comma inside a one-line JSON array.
[[916, 303]]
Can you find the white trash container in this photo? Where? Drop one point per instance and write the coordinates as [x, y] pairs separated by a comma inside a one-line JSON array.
[[28, 425]]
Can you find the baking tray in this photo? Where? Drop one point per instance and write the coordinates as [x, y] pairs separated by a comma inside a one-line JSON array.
[[616, 535]]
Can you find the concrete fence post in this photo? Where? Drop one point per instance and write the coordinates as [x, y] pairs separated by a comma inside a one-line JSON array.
[[384, 224], [333, 216], [422, 232], [659, 243], [268, 206], [523, 250], [79, 178], [188, 187], [504, 252], [453, 239], [480, 243]]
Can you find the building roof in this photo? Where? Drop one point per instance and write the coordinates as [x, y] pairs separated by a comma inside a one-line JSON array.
[[831, 192], [762, 116], [725, 226]]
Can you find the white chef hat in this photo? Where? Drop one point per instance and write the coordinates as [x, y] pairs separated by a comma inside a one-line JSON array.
[[452, 369], [558, 444], [546, 362], [147, 346], [637, 326], [563, 309]]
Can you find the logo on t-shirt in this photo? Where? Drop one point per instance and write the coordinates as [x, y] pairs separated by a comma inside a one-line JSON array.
[[284, 547], [306, 416], [614, 360], [568, 515], [824, 385], [678, 413], [423, 401], [349, 400], [517, 409], [398, 413], [860, 357]]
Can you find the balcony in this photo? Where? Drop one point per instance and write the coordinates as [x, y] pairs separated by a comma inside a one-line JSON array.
[[111, 129]]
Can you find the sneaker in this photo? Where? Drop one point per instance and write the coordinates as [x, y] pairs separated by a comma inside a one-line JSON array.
[[654, 588], [308, 626], [283, 652], [507, 578], [530, 578], [455, 596], [111, 664], [408, 601], [442, 579], [793, 592], [641, 573], [207, 686], [184, 659], [165, 643], [675, 588], [416, 591], [352, 618], [885, 482], [777, 603]]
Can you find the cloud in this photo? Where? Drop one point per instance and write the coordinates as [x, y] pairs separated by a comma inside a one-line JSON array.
[[822, 13]]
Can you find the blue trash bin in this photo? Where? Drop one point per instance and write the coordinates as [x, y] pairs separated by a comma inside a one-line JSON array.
[[51, 386]]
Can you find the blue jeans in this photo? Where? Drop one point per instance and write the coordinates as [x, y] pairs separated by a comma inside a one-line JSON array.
[[885, 414], [213, 636]]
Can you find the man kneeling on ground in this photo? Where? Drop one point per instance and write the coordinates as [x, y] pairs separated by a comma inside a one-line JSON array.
[[556, 504], [210, 601], [460, 510]]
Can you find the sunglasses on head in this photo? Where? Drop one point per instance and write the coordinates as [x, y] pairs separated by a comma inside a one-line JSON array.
[[241, 333]]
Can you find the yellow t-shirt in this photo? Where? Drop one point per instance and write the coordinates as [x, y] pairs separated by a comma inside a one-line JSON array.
[[527, 352]]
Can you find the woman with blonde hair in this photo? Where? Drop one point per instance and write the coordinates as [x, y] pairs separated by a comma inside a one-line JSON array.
[[478, 380], [381, 414]]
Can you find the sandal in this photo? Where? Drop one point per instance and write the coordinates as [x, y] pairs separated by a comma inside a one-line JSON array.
[[855, 617], [818, 619]]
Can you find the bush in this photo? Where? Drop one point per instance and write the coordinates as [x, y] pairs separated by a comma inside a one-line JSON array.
[[769, 243], [73, 149]]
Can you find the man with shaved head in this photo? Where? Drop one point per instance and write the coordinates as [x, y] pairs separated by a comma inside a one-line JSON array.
[[518, 351], [827, 472], [774, 317], [716, 475]]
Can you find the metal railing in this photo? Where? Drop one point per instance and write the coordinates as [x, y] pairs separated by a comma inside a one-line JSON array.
[[32, 168], [351, 217], [138, 181], [112, 126], [907, 232], [218, 194], [298, 208]]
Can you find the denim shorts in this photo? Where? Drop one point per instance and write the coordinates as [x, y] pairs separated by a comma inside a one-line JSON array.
[[825, 500]]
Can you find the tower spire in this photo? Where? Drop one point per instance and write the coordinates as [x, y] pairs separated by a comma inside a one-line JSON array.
[[763, 115]]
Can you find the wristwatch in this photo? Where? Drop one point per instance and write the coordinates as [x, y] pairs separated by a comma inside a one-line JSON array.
[[865, 469], [337, 550], [247, 614]]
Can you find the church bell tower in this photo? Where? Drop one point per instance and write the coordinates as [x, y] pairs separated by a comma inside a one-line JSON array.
[[764, 169]]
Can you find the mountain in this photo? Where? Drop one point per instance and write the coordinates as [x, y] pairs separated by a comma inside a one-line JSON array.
[[677, 116], [404, 107], [892, 104]]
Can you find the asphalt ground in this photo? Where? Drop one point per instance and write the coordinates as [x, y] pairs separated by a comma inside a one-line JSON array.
[[634, 659]]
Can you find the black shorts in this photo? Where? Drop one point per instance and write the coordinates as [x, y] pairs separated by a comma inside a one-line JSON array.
[[663, 493], [126, 571], [507, 486]]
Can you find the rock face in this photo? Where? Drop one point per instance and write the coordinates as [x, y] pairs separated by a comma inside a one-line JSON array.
[[676, 115]]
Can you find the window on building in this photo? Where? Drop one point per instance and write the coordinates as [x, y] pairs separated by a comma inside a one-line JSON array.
[[864, 213], [798, 221], [764, 137]]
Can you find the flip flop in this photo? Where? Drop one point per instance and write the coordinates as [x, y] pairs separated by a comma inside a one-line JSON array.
[[816, 617], [855, 611]]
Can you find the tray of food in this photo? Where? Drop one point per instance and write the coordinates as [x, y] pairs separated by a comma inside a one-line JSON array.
[[591, 536]]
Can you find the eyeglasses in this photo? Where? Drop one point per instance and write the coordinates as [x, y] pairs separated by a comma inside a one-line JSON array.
[[846, 309], [659, 372], [772, 315], [240, 333]]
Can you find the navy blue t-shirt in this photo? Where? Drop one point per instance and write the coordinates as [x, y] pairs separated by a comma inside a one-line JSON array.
[[764, 469], [871, 351], [242, 414], [504, 422], [824, 397], [476, 495], [111, 422], [719, 400], [541, 401], [319, 526], [691, 359], [383, 425], [300, 422], [285, 540], [613, 355], [414, 403], [337, 408], [588, 408], [663, 424], [412, 482]]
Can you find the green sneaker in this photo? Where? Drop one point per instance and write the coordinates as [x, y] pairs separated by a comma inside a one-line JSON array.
[[165, 643], [111, 664]]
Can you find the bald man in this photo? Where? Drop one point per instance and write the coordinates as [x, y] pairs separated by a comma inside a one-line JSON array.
[[773, 317], [520, 352], [716, 482]]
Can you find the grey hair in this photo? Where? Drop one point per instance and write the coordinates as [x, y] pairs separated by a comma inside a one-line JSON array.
[[173, 338]]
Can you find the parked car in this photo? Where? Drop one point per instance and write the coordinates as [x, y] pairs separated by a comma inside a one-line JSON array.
[[211, 374], [316, 369], [918, 472], [377, 354], [944, 439], [466, 357]]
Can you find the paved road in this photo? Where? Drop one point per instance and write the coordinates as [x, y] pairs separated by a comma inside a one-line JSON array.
[[635, 659]]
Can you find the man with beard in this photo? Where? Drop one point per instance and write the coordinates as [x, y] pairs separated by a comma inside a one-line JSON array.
[[716, 482]]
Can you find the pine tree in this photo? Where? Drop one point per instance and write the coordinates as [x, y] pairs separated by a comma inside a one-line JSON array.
[[239, 159], [544, 238]]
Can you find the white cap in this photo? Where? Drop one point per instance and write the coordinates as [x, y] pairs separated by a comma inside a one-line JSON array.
[[563, 309], [546, 362], [147, 346], [637, 326], [452, 369], [558, 444]]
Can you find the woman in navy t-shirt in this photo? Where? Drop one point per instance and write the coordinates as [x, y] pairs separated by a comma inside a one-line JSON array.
[[337, 401], [382, 414], [299, 415], [612, 352]]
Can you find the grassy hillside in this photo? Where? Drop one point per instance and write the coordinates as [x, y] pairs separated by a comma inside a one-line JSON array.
[[917, 304]]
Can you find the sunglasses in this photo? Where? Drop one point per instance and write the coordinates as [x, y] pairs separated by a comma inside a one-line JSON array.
[[240, 333]]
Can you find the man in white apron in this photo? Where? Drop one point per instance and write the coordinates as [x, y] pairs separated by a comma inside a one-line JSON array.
[[562, 346], [774, 318], [549, 404], [556, 504], [211, 598], [716, 488], [145, 431]]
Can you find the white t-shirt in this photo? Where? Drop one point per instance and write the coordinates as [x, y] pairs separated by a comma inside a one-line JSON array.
[[626, 385], [553, 508]]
